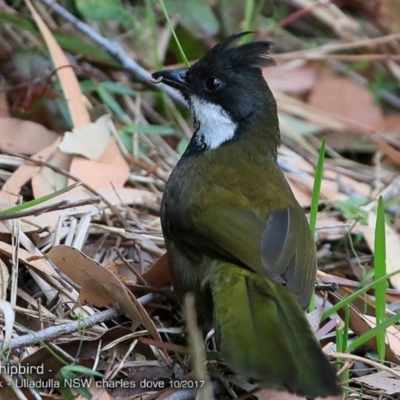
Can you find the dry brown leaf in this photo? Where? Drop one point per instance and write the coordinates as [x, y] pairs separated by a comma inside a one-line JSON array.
[[389, 151], [89, 141], [46, 180], [98, 175], [158, 275], [330, 227], [359, 324], [24, 256], [69, 82], [113, 156], [291, 80], [4, 109], [25, 137], [85, 349], [346, 99], [135, 197], [123, 272], [392, 246], [390, 14], [389, 124], [382, 381], [392, 334], [110, 171], [26, 171], [99, 286]]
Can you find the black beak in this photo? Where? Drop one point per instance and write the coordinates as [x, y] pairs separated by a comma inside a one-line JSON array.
[[175, 78]]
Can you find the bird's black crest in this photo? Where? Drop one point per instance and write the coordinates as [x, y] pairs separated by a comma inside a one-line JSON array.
[[225, 55]]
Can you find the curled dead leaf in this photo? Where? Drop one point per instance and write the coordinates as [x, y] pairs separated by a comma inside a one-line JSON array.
[[99, 286]]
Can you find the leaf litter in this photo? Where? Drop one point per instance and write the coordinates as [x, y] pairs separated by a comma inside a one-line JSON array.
[[63, 269]]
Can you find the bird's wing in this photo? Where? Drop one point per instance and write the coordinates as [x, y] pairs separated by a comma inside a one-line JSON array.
[[281, 248]]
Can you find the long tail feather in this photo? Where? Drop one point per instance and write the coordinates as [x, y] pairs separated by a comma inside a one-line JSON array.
[[263, 333]]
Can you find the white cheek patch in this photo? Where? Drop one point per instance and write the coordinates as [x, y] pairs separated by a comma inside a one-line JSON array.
[[215, 126]]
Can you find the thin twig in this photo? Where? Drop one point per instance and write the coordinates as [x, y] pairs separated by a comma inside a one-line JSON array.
[[367, 361], [54, 332]]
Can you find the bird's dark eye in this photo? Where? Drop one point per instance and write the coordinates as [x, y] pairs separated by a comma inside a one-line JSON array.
[[212, 83]]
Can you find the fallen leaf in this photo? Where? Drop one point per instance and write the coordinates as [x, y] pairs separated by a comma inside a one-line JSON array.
[[38, 264], [392, 246], [85, 349], [346, 99], [290, 78], [158, 275], [392, 334], [98, 175], [99, 286], [112, 156], [90, 140], [26, 171], [382, 381], [48, 181], [69, 83], [361, 323], [25, 137]]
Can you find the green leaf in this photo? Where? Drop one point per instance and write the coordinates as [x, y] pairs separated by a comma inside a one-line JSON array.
[[109, 100], [350, 209], [80, 369], [88, 86], [100, 10], [148, 129], [196, 16], [126, 140], [118, 88]]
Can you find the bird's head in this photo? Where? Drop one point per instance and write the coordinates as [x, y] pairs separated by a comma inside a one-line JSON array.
[[226, 91]]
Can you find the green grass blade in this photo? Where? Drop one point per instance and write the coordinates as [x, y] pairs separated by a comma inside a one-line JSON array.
[[356, 294], [373, 332], [380, 271], [38, 201], [315, 199], [171, 26], [248, 19], [317, 187]]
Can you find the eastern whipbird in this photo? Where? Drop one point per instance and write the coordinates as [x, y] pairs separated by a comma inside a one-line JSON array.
[[235, 234]]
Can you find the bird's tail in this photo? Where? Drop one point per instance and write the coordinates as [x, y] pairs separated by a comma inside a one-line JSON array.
[[263, 333]]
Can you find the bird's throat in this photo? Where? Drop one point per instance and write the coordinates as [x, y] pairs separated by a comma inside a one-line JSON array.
[[213, 125]]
